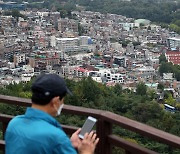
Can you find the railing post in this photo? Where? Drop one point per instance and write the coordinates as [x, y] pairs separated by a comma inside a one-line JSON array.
[[104, 129]]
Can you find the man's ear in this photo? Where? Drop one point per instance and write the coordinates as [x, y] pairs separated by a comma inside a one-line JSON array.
[[54, 100]]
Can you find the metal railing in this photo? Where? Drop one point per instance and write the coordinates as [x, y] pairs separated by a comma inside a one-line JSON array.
[[103, 128]]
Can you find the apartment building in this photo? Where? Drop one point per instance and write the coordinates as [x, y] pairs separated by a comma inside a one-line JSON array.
[[19, 58], [173, 42], [173, 57], [41, 61], [107, 75], [147, 71], [121, 61], [67, 44]]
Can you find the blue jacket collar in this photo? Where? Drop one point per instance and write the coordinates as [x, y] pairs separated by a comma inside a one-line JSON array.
[[39, 114]]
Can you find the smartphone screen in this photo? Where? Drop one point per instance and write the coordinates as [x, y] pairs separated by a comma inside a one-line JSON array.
[[87, 127]]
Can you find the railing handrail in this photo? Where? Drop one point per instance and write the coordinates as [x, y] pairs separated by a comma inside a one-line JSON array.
[[109, 117]]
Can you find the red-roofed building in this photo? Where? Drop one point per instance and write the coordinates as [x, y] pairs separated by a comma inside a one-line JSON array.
[[80, 72], [173, 57]]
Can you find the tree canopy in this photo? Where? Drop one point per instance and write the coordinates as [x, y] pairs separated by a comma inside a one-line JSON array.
[[140, 105], [167, 67]]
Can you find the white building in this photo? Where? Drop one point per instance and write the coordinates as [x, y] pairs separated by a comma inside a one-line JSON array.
[[26, 77], [67, 44], [173, 42], [19, 58], [11, 65], [168, 76], [42, 14], [153, 60], [85, 43], [129, 26], [53, 41], [109, 75], [116, 46], [116, 78], [146, 70], [97, 79], [82, 43], [130, 48], [28, 69], [83, 40]]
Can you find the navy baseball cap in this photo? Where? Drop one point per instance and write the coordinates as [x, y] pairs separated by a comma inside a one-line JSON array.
[[50, 85]]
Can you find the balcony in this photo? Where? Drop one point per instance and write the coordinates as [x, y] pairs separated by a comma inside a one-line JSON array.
[[106, 121]]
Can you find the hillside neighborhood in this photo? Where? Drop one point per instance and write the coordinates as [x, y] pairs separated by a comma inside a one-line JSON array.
[[109, 48]]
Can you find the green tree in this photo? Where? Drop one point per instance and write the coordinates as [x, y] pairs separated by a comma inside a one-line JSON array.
[[63, 13], [141, 25], [168, 122], [177, 75], [160, 86], [162, 58], [177, 22], [175, 28], [118, 89], [124, 42], [149, 28], [90, 89], [151, 94], [87, 93], [170, 100], [14, 13], [136, 43], [80, 29], [141, 89], [143, 112], [165, 68]]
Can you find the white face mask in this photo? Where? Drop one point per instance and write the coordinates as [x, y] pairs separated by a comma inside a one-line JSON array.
[[59, 110]]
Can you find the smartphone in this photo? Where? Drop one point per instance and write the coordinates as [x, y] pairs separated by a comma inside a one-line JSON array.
[[87, 127]]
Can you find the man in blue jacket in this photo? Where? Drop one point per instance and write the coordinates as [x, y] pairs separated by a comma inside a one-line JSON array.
[[37, 131]]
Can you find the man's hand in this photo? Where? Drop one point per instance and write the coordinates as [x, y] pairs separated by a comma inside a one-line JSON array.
[[75, 140], [88, 144]]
